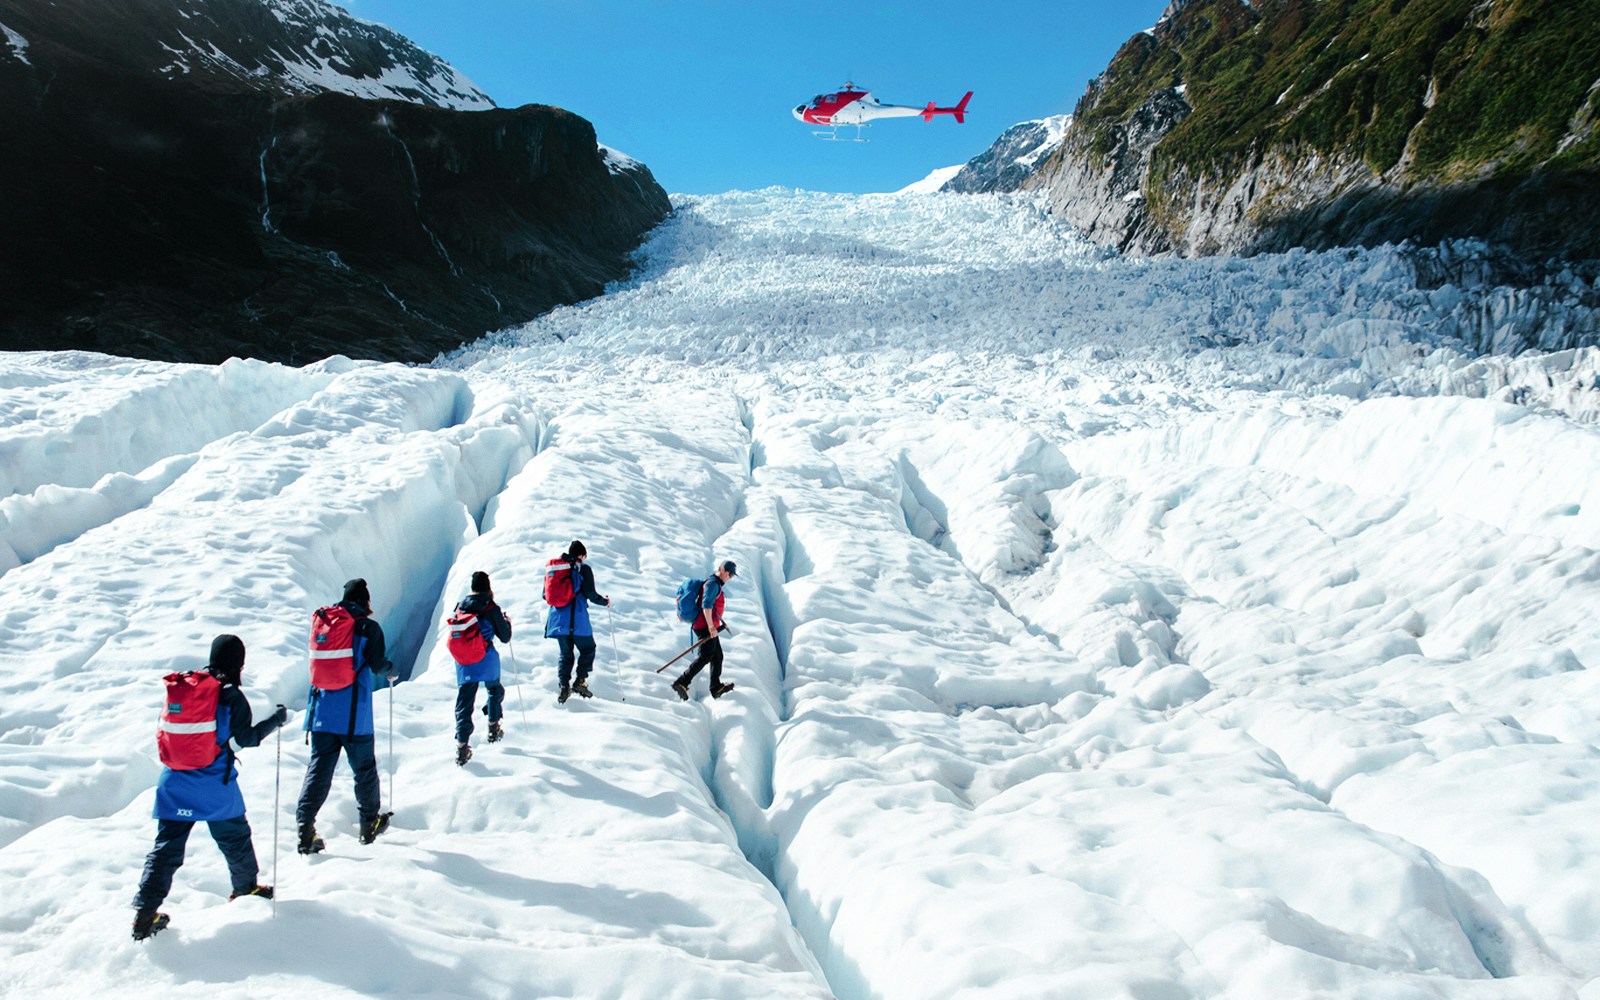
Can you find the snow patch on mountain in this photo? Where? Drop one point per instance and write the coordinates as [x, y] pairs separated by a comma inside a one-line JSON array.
[[366, 59], [933, 182], [16, 43]]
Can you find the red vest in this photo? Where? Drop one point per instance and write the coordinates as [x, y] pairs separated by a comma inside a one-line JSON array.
[[187, 736], [333, 654], [558, 590], [466, 642]]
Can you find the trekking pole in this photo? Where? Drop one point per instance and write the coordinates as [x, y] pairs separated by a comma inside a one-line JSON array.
[[516, 679], [391, 746], [277, 800], [616, 660]]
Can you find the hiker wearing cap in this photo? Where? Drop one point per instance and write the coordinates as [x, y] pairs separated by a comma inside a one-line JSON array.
[[347, 654], [568, 589], [199, 781], [706, 626], [481, 622]]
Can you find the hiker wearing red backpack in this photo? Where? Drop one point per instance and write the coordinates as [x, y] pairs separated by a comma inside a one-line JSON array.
[[568, 589], [347, 654], [206, 718], [474, 626], [707, 624]]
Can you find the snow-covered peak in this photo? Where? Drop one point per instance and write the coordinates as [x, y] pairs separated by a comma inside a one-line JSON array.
[[617, 161], [279, 46], [349, 55], [1014, 156], [933, 182]]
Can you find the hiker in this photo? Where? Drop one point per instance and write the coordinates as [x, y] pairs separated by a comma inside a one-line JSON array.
[[475, 625], [347, 651], [206, 719], [568, 589], [706, 625]]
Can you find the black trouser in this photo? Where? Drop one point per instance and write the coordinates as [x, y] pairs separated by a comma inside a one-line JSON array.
[[325, 749], [467, 696], [585, 657], [172, 835], [710, 652]]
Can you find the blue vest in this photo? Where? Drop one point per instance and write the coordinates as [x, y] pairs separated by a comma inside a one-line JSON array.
[[574, 618], [331, 711], [207, 793], [486, 670]]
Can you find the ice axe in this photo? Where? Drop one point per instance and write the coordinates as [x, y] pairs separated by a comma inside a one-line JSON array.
[[694, 647]]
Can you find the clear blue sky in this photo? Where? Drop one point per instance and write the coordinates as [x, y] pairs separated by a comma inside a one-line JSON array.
[[701, 90]]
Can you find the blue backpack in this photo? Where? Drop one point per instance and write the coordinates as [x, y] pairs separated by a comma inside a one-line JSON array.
[[689, 594]]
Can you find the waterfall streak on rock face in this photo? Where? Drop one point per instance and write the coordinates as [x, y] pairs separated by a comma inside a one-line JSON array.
[[266, 201]]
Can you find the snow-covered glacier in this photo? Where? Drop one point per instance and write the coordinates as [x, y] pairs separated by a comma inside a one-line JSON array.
[[1104, 627]]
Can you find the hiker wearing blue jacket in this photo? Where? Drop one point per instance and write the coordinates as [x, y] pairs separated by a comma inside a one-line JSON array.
[[340, 720], [492, 624], [707, 624], [569, 624], [208, 794]]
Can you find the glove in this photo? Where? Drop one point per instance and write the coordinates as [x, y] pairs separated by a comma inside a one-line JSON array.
[[280, 716]]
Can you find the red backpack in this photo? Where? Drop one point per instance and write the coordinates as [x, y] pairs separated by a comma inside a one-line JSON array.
[[187, 735], [333, 654], [466, 642], [558, 582]]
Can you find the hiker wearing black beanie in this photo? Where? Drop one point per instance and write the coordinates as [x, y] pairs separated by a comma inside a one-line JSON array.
[[473, 627], [347, 658], [568, 589], [205, 720]]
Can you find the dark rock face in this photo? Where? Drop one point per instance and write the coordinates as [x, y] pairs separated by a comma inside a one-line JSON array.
[[155, 217]]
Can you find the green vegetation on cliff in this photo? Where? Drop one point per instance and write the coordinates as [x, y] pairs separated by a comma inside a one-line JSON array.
[[1445, 90]]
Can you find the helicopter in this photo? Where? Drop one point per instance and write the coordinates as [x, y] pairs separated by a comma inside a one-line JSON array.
[[853, 106]]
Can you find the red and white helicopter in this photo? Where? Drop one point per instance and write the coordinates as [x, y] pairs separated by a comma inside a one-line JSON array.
[[850, 106]]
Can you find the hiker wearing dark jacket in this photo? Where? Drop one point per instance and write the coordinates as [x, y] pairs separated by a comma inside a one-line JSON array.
[[492, 624], [340, 719], [570, 626], [208, 794], [707, 624]]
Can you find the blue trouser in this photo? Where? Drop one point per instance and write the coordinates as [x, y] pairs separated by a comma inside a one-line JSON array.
[[172, 835], [325, 749], [585, 648], [710, 653], [466, 695]]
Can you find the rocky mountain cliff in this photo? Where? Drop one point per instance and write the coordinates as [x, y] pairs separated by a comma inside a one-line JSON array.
[[1236, 126], [276, 179]]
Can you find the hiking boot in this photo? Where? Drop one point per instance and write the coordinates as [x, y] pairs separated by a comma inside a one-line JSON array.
[[682, 687], [718, 690], [310, 843], [566, 692], [581, 689], [264, 891], [496, 734], [379, 823], [149, 923], [464, 753]]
